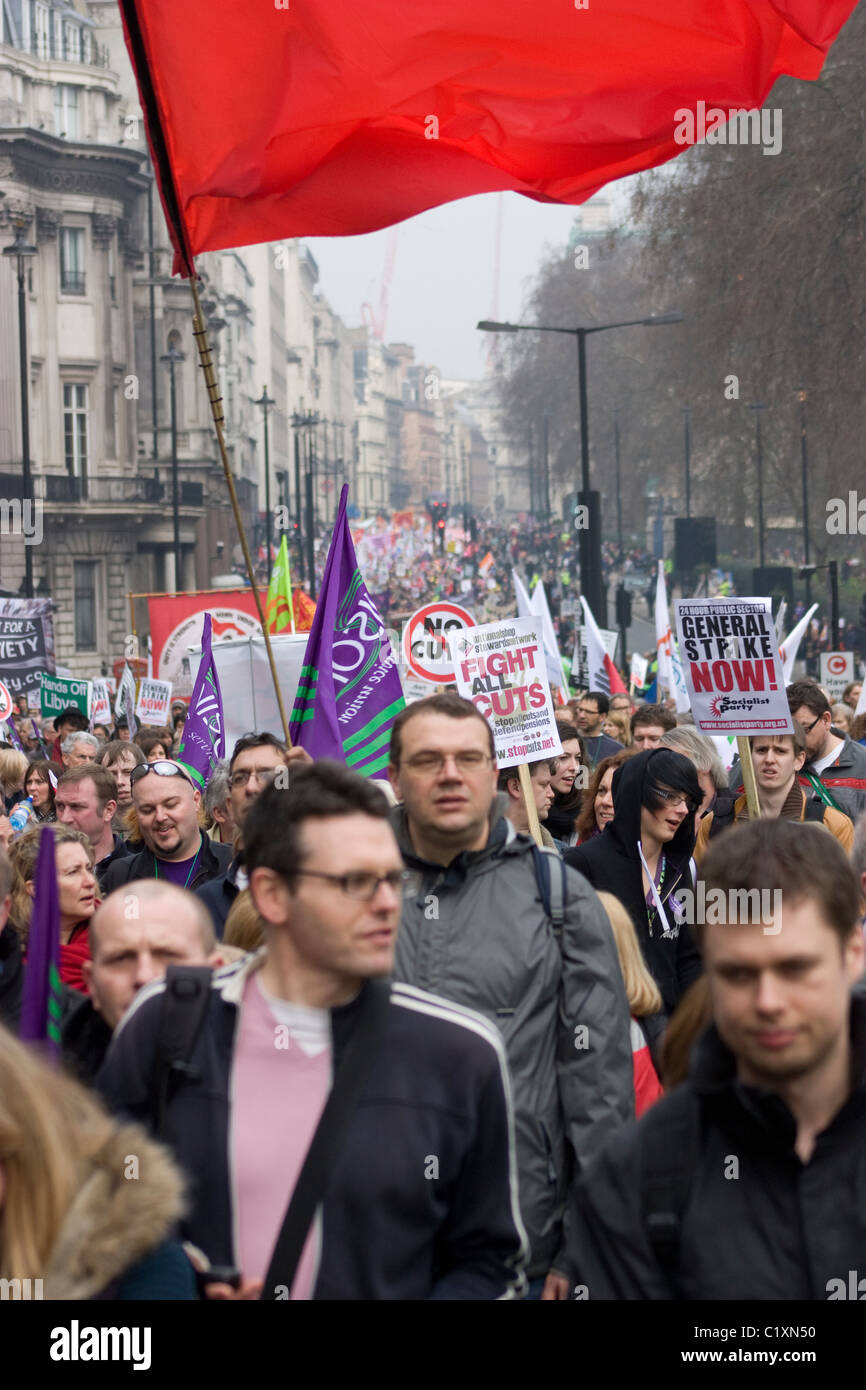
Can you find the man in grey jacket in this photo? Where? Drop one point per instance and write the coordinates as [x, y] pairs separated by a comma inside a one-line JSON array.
[[478, 933]]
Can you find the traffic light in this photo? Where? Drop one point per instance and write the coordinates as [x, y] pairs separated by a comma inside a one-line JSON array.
[[623, 607]]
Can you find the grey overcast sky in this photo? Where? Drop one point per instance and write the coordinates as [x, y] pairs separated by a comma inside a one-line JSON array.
[[443, 272]]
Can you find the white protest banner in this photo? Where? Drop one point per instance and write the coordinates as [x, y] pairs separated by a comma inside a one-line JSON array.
[[837, 671], [125, 692], [500, 667], [100, 712], [732, 667], [791, 645], [425, 646], [154, 701], [639, 667], [670, 668]]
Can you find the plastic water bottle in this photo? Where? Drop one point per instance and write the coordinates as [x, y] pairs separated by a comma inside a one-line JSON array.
[[21, 814]]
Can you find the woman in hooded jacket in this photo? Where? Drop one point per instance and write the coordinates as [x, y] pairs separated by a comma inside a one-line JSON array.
[[644, 857], [70, 1215]]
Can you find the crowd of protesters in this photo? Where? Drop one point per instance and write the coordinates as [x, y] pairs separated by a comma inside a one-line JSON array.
[[541, 1054]]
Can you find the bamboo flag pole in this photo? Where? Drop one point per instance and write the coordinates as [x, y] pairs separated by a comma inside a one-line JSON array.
[[744, 748], [529, 803], [199, 332]]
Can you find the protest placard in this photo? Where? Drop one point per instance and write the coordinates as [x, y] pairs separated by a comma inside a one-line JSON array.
[[154, 701], [59, 692], [100, 712], [836, 672], [500, 667], [26, 644], [732, 667]]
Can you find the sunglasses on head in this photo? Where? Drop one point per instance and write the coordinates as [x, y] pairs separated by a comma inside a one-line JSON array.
[[161, 768]]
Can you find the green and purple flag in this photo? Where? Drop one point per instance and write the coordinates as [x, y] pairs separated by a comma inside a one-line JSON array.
[[350, 692], [42, 998], [203, 741]]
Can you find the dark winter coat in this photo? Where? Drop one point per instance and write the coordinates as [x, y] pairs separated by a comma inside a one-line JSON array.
[[610, 861], [214, 859], [771, 1227]]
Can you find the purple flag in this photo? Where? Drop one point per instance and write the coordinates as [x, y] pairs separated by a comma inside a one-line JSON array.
[[14, 738], [350, 691], [202, 743], [41, 1001]]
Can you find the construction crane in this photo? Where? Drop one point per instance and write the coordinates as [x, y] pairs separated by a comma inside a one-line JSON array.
[[377, 319]]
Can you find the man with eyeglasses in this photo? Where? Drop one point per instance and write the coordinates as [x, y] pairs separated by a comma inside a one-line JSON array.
[[478, 932], [176, 850], [255, 761], [591, 710], [420, 1198]]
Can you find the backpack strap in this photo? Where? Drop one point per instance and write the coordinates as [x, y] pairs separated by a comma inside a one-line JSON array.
[[184, 1005], [668, 1160], [551, 886]]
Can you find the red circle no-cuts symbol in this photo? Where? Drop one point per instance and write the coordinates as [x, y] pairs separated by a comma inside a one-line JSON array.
[[6, 704], [837, 664], [425, 640]]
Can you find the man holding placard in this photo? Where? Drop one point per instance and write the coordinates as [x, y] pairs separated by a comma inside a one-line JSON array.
[[479, 933]]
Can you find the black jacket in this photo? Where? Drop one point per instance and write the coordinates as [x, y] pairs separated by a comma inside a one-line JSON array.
[[219, 894], [772, 1227], [11, 976], [84, 1037], [438, 1088], [120, 850], [610, 862], [214, 859]]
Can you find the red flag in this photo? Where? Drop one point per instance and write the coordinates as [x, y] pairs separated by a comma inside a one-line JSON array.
[[323, 119]]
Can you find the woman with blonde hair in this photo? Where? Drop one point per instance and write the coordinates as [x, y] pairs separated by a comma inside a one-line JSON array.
[[644, 1002], [71, 1220], [244, 927], [77, 891], [13, 769]]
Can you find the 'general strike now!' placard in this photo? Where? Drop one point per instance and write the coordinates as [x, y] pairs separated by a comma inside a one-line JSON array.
[[731, 662]]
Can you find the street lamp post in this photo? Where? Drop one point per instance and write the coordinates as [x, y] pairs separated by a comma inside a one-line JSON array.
[[618, 490], [590, 538], [20, 249], [265, 402], [173, 357], [688, 445], [757, 407], [805, 470]]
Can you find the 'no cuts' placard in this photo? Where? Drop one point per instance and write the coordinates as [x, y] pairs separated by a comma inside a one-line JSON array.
[[500, 667], [730, 658]]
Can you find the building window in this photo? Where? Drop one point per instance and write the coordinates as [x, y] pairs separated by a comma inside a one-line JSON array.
[[66, 111], [87, 45], [42, 31], [75, 428], [72, 260], [85, 605], [72, 43]]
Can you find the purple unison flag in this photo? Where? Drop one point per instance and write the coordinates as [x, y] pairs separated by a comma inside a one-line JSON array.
[[203, 742], [41, 1001], [350, 691], [14, 738]]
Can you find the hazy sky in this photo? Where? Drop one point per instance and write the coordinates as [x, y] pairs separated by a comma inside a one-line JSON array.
[[443, 272]]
